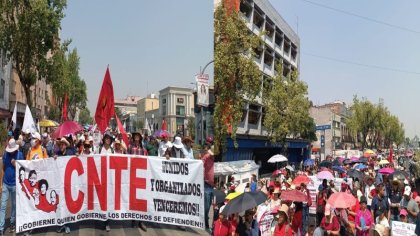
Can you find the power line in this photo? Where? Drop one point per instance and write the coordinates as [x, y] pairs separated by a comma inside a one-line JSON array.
[[363, 17], [361, 64]]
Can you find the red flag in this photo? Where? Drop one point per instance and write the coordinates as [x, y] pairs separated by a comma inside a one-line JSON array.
[[105, 107], [122, 131], [164, 125], [64, 115], [390, 159]]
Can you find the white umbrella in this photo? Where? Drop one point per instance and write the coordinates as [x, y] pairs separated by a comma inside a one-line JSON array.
[[290, 168], [277, 158]]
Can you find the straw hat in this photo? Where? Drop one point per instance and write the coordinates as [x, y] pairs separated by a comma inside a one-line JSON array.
[[285, 209], [187, 139], [64, 140], [276, 190], [12, 146]]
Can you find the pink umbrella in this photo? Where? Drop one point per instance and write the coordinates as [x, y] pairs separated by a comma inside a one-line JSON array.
[[386, 171], [66, 128], [293, 195], [325, 175], [354, 159], [341, 200]]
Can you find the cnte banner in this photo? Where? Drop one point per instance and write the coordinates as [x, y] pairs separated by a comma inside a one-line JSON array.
[[116, 187]]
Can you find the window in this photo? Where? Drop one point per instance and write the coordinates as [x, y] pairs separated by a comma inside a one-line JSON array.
[[164, 110], [263, 116], [2, 85], [180, 110], [294, 52], [164, 101], [180, 100], [258, 18], [278, 39], [254, 113], [268, 57]]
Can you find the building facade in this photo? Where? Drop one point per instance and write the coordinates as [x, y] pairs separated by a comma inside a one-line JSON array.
[[148, 112], [338, 137], [204, 119], [5, 80], [128, 108], [281, 45], [176, 106]]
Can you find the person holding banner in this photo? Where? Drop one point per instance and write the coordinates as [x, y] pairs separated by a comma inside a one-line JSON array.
[[164, 145], [37, 151], [10, 156], [136, 146], [208, 161]]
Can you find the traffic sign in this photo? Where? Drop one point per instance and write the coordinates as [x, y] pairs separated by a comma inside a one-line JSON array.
[[323, 127]]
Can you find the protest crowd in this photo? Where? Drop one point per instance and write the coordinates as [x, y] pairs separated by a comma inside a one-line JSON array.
[[348, 196], [33, 146]]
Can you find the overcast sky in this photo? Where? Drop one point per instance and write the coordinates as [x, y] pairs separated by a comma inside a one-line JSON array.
[[148, 45], [327, 33]]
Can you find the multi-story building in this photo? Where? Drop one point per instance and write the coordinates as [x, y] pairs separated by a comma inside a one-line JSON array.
[[176, 106], [281, 45], [5, 78], [338, 137], [128, 108], [148, 111]]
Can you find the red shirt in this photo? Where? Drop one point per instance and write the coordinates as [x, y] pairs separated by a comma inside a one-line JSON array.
[[208, 161], [333, 226], [281, 230], [222, 228], [355, 208]]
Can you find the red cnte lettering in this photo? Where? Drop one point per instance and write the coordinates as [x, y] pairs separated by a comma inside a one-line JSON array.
[[118, 164], [74, 206], [100, 185], [137, 183]]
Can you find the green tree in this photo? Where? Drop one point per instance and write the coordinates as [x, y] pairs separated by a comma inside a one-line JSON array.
[[29, 32], [287, 108], [237, 78], [85, 117], [64, 74], [191, 127], [361, 121]]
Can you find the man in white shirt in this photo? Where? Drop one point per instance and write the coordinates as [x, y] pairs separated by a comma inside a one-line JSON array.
[[368, 188], [188, 151]]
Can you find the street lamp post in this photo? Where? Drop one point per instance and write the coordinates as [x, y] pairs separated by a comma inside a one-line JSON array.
[[202, 107]]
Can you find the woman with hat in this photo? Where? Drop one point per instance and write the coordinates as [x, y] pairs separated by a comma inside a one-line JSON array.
[[283, 228], [164, 145], [10, 156], [136, 145], [106, 147], [178, 148], [118, 147], [63, 144], [363, 219], [275, 201], [330, 224], [86, 148], [189, 153]]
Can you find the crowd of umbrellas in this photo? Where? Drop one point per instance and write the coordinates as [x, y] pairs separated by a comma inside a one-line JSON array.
[[353, 167]]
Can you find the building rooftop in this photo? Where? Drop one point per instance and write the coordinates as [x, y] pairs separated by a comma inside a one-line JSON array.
[[129, 100]]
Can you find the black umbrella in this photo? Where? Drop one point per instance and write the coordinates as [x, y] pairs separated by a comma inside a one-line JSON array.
[[399, 175], [220, 196], [325, 163], [355, 174], [363, 160], [243, 202], [337, 162], [347, 161]]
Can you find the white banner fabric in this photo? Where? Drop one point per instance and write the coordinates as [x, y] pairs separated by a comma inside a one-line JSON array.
[[114, 187]]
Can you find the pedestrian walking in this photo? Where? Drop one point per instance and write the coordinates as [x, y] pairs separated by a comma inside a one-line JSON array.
[[10, 156]]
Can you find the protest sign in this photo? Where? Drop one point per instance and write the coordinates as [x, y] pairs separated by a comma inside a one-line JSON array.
[[402, 229], [265, 219], [116, 187]]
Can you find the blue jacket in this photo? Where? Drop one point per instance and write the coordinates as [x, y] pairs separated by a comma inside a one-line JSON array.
[[9, 177]]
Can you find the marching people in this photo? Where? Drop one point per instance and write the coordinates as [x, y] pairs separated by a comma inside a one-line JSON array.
[[188, 150], [283, 227], [37, 151], [136, 146], [164, 145], [87, 148], [118, 147], [364, 219], [10, 156], [48, 144], [208, 162], [177, 149]]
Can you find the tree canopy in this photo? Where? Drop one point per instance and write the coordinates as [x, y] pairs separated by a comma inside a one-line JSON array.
[[374, 124], [29, 33], [237, 78]]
